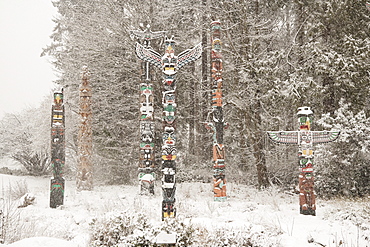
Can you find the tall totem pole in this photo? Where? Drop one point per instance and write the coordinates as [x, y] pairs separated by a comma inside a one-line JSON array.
[[305, 138], [218, 124], [170, 64], [57, 150], [84, 178], [147, 151]]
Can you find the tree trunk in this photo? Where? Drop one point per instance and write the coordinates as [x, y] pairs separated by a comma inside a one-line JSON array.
[[258, 147], [259, 154]]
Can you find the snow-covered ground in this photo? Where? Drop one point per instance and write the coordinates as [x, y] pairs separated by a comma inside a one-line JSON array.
[[270, 217]]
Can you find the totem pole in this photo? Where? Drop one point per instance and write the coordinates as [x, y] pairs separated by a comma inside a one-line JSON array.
[[218, 125], [147, 155], [57, 150], [85, 166], [305, 138], [170, 64]]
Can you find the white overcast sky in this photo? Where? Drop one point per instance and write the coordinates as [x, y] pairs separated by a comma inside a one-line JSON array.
[[25, 77]]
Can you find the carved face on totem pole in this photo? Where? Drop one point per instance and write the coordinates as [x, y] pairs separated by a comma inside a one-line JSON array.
[[306, 160], [305, 117], [169, 98], [169, 60], [169, 113], [169, 83], [169, 109], [217, 114], [216, 45], [168, 153], [146, 98], [146, 108], [169, 137], [58, 98], [217, 71], [146, 130], [146, 89]]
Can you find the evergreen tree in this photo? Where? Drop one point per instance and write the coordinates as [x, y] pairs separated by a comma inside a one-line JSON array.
[[278, 55]]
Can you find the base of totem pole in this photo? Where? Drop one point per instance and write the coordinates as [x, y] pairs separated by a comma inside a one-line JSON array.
[[84, 186], [146, 189], [307, 211], [84, 180], [220, 199], [146, 183], [57, 192], [166, 239], [168, 210]]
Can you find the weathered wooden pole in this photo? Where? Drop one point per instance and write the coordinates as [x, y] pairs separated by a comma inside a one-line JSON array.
[[218, 124], [147, 149], [170, 64], [305, 139], [57, 150], [84, 178]]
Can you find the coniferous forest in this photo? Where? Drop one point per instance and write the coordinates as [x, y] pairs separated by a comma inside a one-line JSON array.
[[277, 56]]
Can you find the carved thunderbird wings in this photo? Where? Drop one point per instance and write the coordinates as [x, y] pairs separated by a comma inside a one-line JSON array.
[[155, 58], [189, 55], [148, 55], [295, 137]]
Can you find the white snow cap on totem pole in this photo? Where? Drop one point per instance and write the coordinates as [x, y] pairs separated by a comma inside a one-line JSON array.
[[304, 110]]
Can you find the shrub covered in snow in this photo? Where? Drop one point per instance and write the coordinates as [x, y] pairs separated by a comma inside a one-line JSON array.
[[123, 229], [343, 168]]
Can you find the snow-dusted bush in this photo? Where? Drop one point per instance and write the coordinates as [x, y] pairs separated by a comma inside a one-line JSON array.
[[343, 166], [115, 228], [17, 189], [36, 163], [125, 229]]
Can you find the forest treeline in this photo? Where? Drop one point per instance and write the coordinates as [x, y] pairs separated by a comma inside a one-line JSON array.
[[277, 56]]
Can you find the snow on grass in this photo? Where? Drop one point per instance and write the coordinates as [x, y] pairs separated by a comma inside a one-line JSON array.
[[42, 242], [261, 218]]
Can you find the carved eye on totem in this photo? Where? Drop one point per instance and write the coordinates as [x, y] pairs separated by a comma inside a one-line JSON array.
[[305, 162]]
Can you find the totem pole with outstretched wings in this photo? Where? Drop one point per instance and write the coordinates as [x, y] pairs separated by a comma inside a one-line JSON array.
[[147, 165], [305, 139], [169, 63]]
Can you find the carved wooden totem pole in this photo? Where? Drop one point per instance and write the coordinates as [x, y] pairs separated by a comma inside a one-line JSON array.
[[305, 138], [57, 150], [170, 64], [218, 124], [147, 150], [84, 178]]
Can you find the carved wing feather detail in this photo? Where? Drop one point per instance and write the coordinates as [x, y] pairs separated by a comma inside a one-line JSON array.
[[148, 55], [189, 55], [324, 136], [292, 137], [284, 137]]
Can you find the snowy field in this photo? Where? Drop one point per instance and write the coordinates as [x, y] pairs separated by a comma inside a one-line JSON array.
[[270, 217]]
